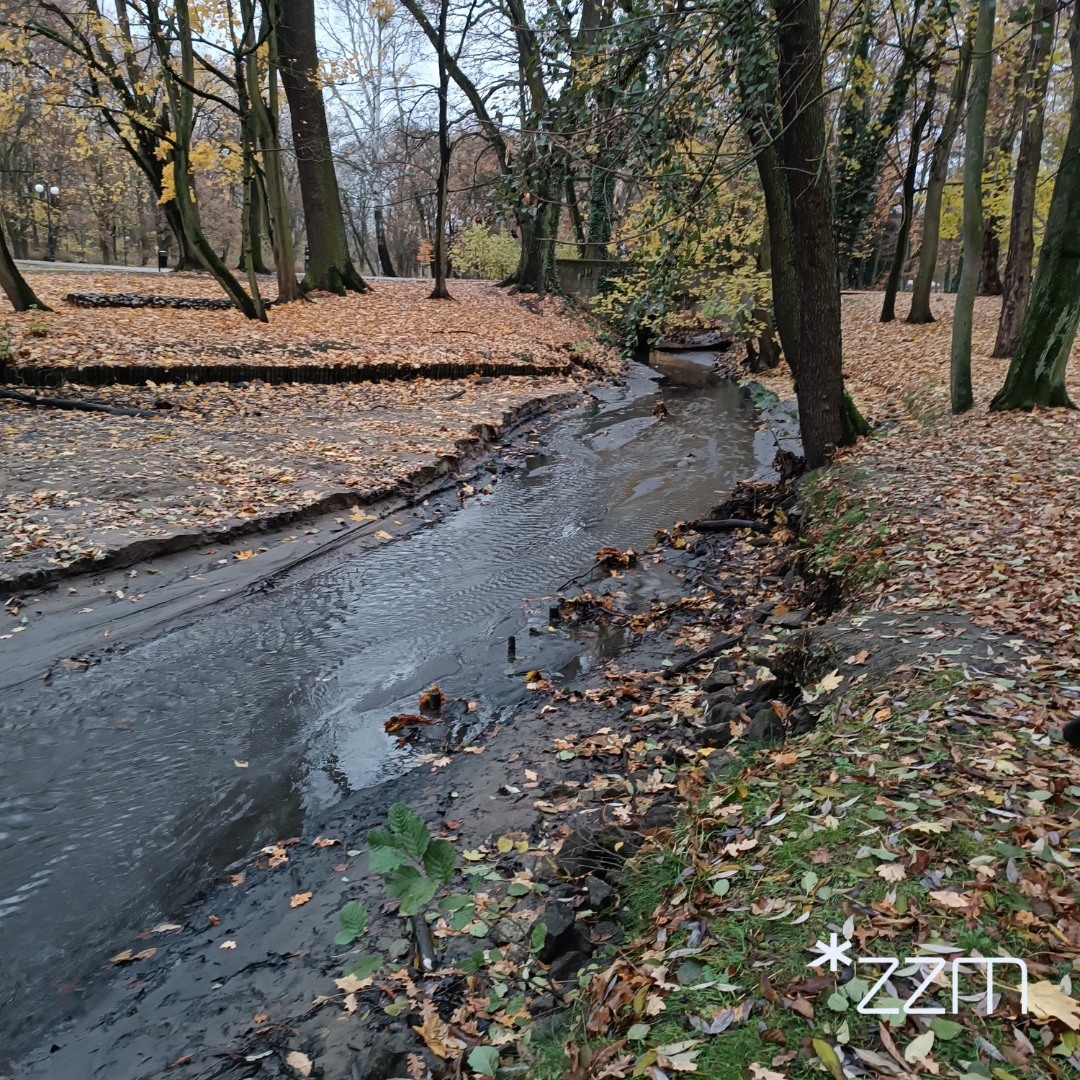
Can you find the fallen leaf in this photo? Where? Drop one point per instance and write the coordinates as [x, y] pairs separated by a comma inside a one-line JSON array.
[[301, 1063], [299, 899]]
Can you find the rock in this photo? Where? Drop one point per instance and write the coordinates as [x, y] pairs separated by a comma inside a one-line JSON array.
[[719, 710], [718, 679], [598, 853], [802, 720], [718, 766], [559, 920], [790, 620], [600, 893], [661, 816], [765, 729], [717, 736], [567, 965], [509, 932], [757, 694]]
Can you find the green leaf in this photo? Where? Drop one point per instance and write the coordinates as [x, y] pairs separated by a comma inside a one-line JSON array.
[[398, 815], [538, 936], [484, 1060], [363, 968], [455, 902], [401, 880], [439, 860], [381, 838], [838, 1002], [945, 1029], [516, 888], [414, 837], [353, 918], [417, 895], [638, 1031], [383, 860]]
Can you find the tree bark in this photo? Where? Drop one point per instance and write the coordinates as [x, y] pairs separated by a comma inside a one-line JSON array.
[[820, 384], [329, 266], [386, 264], [974, 158], [1017, 285], [15, 286], [935, 188], [442, 183], [888, 307], [1036, 375]]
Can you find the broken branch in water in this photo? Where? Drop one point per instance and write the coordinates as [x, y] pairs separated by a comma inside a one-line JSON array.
[[724, 524]]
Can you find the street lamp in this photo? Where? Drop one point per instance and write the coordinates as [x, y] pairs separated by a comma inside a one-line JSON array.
[[47, 196]]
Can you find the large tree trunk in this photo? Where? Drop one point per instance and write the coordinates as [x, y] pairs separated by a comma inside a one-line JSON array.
[[1037, 373], [442, 185], [1017, 285], [935, 189], [974, 157], [15, 287], [820, 384], [888, 308], [329, 265]]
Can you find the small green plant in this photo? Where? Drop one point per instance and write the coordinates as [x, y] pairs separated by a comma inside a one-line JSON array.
[[412, 865], [38, 328], [6, 351]]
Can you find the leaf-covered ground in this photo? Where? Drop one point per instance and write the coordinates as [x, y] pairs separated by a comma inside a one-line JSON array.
[[393, 323], [79, 486]]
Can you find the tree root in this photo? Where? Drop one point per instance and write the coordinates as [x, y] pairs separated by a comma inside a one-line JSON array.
[[72, 403]]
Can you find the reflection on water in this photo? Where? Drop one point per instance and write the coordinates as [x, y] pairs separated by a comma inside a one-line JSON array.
[[119, 796]]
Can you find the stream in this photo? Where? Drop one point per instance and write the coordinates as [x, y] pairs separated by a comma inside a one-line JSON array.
[[128, 788]]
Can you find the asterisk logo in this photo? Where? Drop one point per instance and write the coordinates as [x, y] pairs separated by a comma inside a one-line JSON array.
[[835, 953]]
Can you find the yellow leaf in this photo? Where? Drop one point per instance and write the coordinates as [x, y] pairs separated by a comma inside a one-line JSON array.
[[382, 534], [241, 555], [1047, 1001], [827, 1056], [504, 844], [831, 681], [349, 984], [299, 899]]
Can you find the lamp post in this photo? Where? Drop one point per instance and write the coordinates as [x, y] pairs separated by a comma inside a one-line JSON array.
[[47, 195]]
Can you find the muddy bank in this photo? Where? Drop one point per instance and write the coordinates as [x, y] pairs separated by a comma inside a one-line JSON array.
[[220, 465]]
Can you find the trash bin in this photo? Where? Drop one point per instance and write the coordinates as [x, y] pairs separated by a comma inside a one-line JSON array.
[[162, 259]]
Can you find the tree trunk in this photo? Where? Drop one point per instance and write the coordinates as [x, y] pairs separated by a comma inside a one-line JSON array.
[[935, 188], [974, 156], [888, 308], [820, 384], [989, 275], [1036, 375], [442, 184], [767, 353], [266, 115], [20, 294], [1017, 284], [256, 215], [329, 265], [186, 259], [386, 264]]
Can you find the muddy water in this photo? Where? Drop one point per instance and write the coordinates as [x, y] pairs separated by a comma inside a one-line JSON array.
[[120, 789]]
